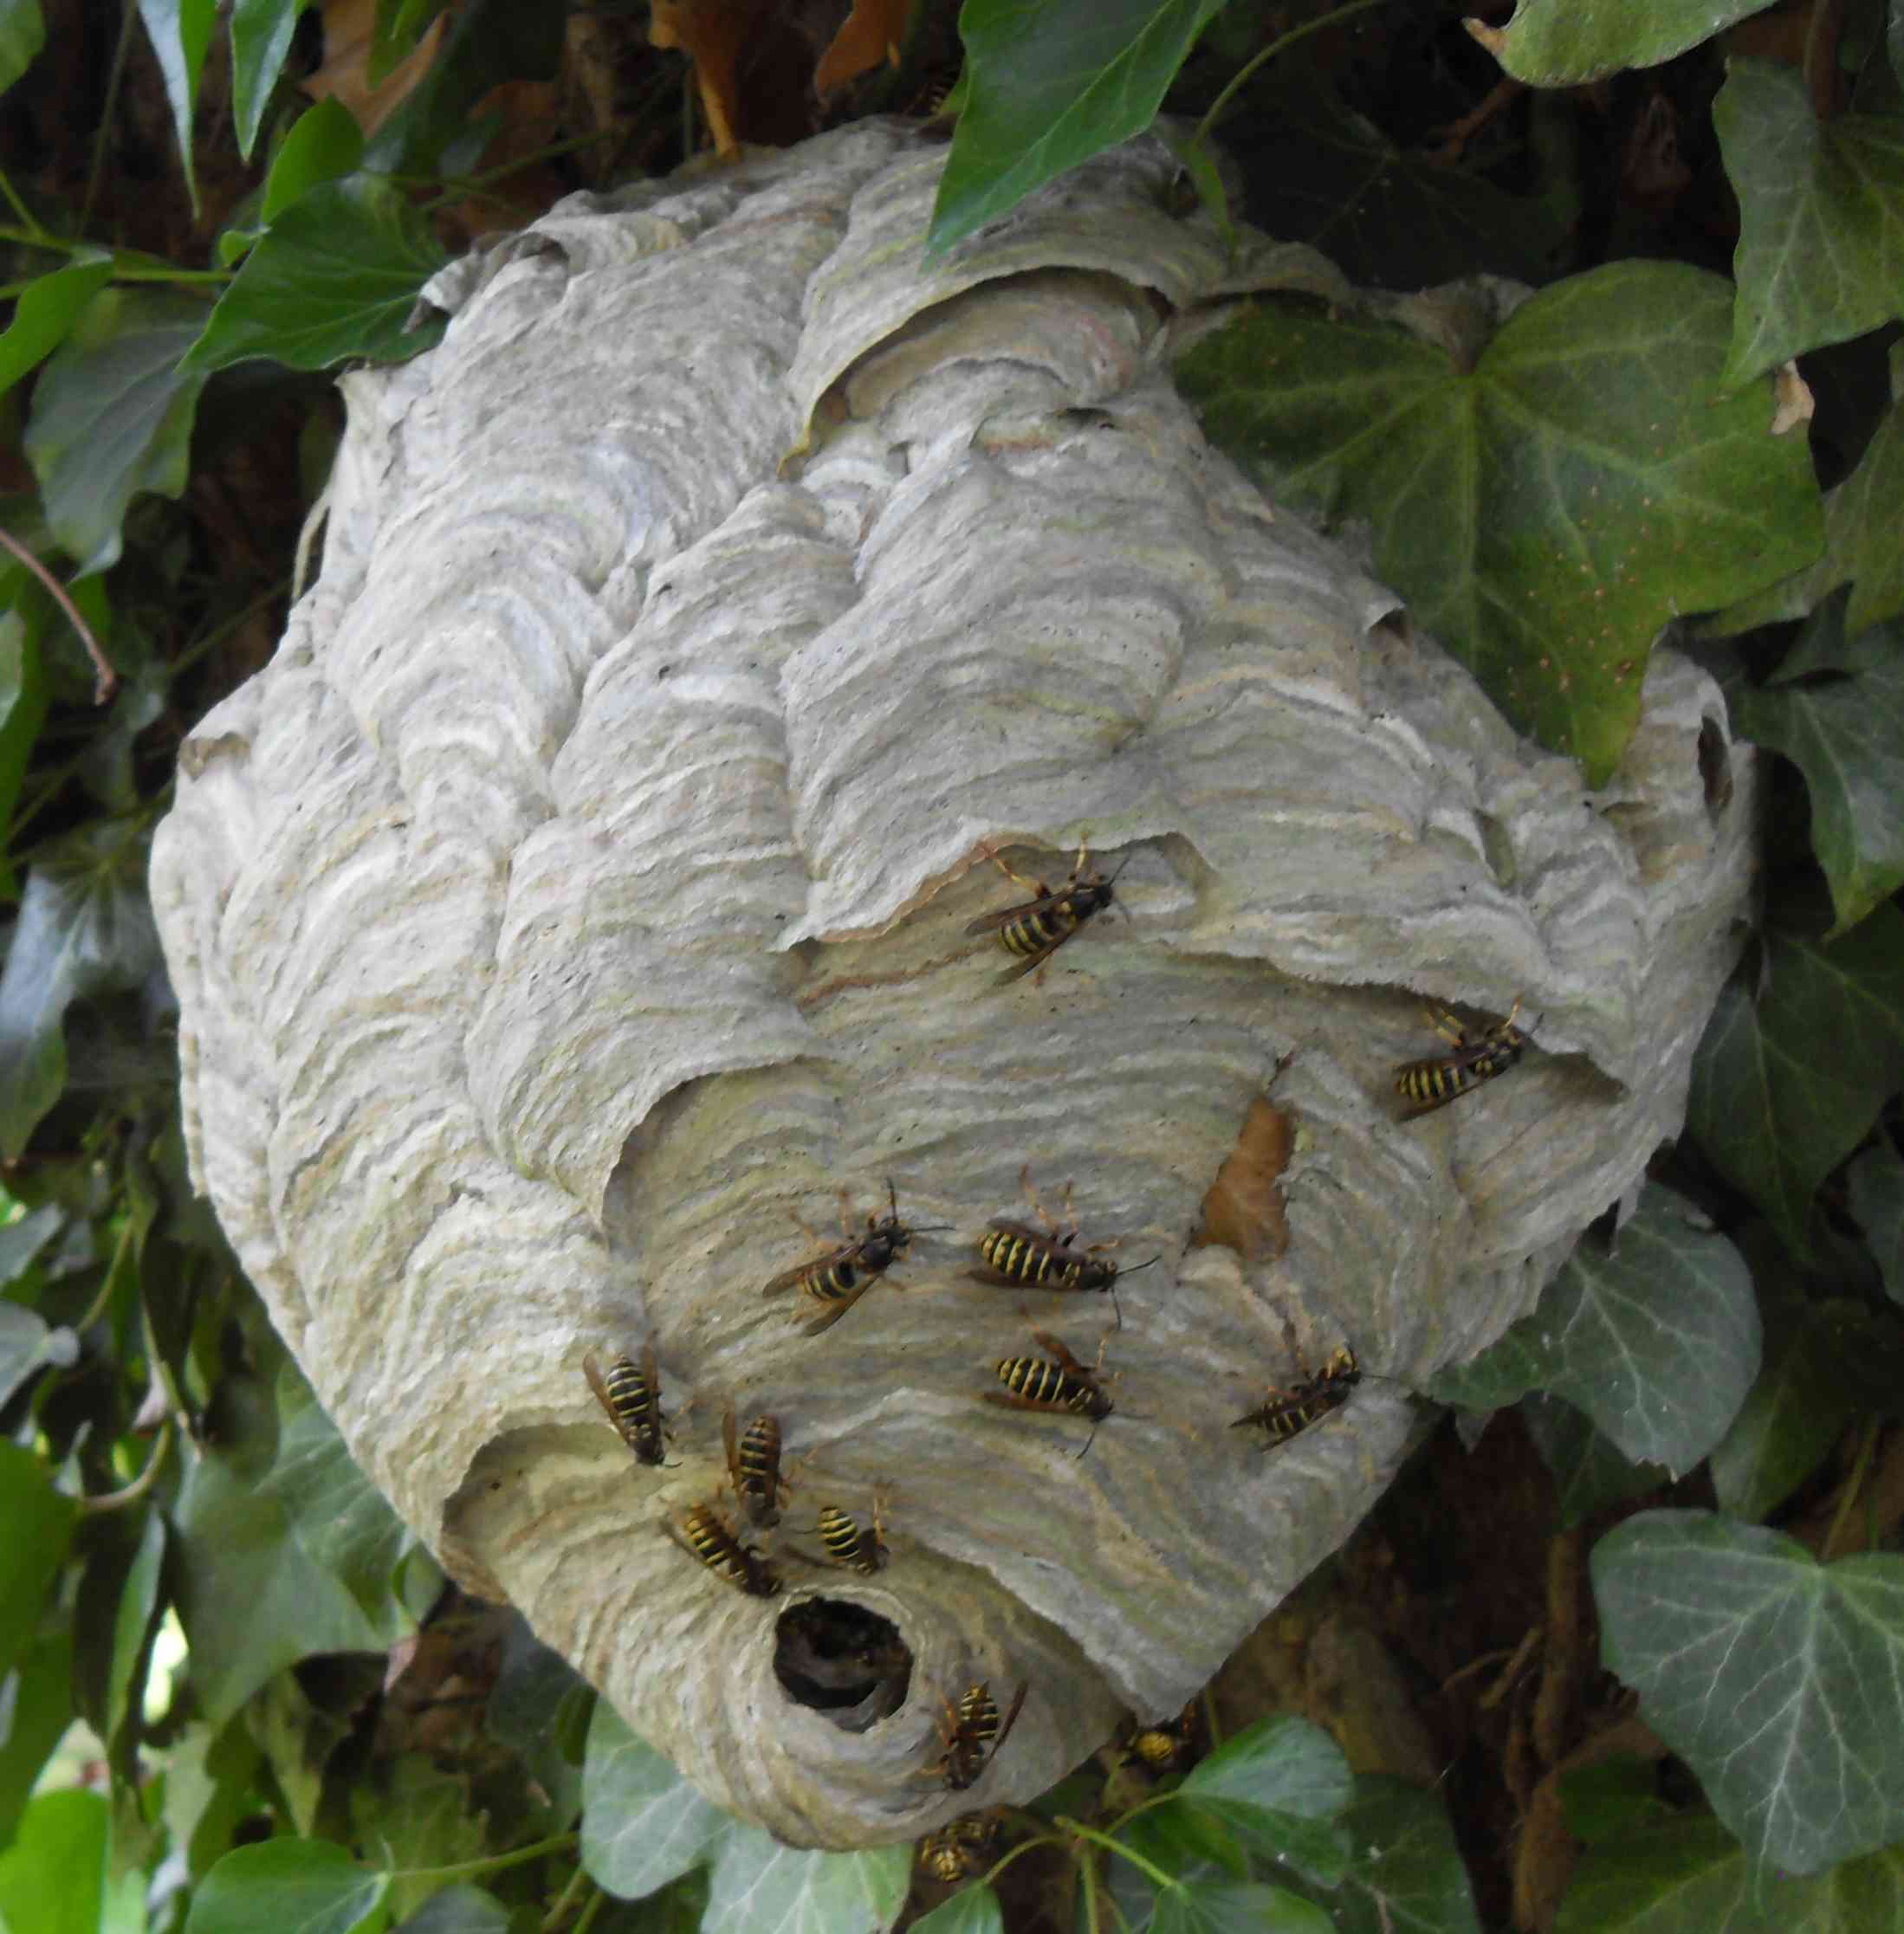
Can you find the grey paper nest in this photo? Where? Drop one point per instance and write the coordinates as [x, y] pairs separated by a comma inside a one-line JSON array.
[[582, 892]]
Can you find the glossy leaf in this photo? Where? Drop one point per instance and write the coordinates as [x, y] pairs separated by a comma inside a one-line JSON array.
[[261, 37], [299, 1886], [112, 415], [1821, 207], [458, 1910], [53, 1877], [1559, 44], [1778, 1680], [1862, 520], [23, 34], [85, 926], [39, 1523], [326, 145], [1406, 1874], [758, 1887], [20, 1242], [44, 310], [972, 1910], [1589, 1472], [1236, 1907], [36, 1706], [1845, 732], [1049, 87], [23, 688], [1547, 501], [336, 276], [1657, 1341], [641, 1823], [1877, 1180], [1278, 1786], [1784, 1086], [180, 31]]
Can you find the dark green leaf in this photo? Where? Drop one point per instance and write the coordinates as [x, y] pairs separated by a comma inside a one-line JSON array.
[[21, 1241], [43, 312], [1589, 1472], [417, 1816], [1778, 1680], [1276, 1785], [326, 145], [23, 34], [973, 1910], [85, 926], [1182, 1842], [294, 1886], [261, 37], [1877, 1180], [39, 1522], [1406, 1875], [1615, 1796], [1657, 1343], [641, 1823], [1845, 732], [250, 1600], [133, 1621], [53, 1877], [1547, 501], [180, 32], [399, 27], [335, 276], [23, 685], [758, 1887], [337, 1515], [459, 1910], [1862, 520], [1235, 1907], [112, 415], [36, 1709], [1559, 44], [295, 1740], [1049, 87], [209, 1779], [1785, 1087], [1821, 207]]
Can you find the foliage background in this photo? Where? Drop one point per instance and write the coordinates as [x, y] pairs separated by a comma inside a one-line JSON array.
[[1631, 1658]]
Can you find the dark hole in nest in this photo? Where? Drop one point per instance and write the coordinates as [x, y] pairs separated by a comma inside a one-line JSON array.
[[841, 1660]]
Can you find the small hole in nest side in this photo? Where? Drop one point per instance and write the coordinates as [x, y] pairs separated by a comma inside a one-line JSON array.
[[842, 1660]]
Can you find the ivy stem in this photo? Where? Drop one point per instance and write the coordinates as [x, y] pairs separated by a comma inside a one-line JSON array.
[[120, 1500], [96, 1309], [1138, 1860], [494, 1863], [1243, 73], [586, 1919], [34, 232], [102, 142], [553, 1918], [1853, 1486], [106, 680]]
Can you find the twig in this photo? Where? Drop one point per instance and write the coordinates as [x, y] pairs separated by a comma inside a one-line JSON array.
[[107, 681]]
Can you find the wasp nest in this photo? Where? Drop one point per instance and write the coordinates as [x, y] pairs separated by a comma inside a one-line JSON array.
[[587, 889]]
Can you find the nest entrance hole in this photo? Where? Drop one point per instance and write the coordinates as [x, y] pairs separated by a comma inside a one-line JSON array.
[[842, 1660]]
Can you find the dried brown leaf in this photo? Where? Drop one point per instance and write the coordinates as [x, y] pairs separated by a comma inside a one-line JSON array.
[[1243, 1209], [872, 33]]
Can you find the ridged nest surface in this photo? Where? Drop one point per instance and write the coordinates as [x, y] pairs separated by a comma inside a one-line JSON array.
[[582, 893]]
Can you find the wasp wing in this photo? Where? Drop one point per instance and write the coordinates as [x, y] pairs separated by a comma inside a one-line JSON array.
[[1032, 962], [838, 1306]]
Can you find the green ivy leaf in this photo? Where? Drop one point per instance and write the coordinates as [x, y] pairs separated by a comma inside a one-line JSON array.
[[299, 1887], [37, 1704], [399, 27], [1545, 508], [53, 1877], [459, 1910], [641, 1823], [1862, 520], [23, 34], [1560, 43], [1785, 1087], [261, 37], [39, 1522], [1615, 1796], [758, 1887], [1405, 1871], [44, 310], [1844, 731], [419, 1817], [1047, 88], [1778, 1680], [85, 926], [20, 1242], [112, 415], [1278, 1787], [1821, 209], [973, 1910], [335, 276], [1236, 1907], [180, 31], [1657, 1341], [134, 1619], [326, 145], [209, 1779], [22, 702], [1877, 1180]]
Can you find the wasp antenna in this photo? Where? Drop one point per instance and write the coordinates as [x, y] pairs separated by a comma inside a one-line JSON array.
[[1089, 1441], [1134, 1267], [1116, 1306]]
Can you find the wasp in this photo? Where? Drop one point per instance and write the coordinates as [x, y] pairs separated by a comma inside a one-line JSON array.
[[1037, 928], [958, 1849], [859, 1548], [836, 1280], [753, 1464], [630, 1394], [1162, 1749], [1018, 1256], [970, 1736], [1472, 1059], [704, 1535], [1033, 1383], [1283, 1412]]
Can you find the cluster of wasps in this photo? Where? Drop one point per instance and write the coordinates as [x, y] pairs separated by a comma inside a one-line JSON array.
[[1014, 1254]]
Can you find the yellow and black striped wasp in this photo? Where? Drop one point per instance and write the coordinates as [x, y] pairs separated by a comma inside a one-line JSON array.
[[630, 1394], [1018, 1256], [971, 1736], [1064, 1386], [1037, 928], [1164, 1748], [837, 1279], [705, 1535], [753, 1464], [1284, 1412], [860, 1548], [957, 1850], [1472, 1058]]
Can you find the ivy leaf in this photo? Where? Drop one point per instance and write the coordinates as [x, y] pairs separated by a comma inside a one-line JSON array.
[[261, 37], [23, 34], [1821, 218], [311, 1886], [1545, 501], [1785, 1086], [1778, 1680], [22, 702], [39, 1522], [134, 1619], [1278, 1787], [1614, 1796], [1559, 44], [1406, 1875], [419, 1818], [1862, 520], [1877, 1180], [326, 145], [1656, 1342], [44, 310], [112, 415], [85, 926], [53, 1877], [180, 31], [459, 1910], [973, 1910], [209, 1777], [1047, 88], [641, 1823], [758, 1887], [37, 1704], [1845, 732], [336, 276], [21, 1241], [1589, 1472], [1236, 1907]]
